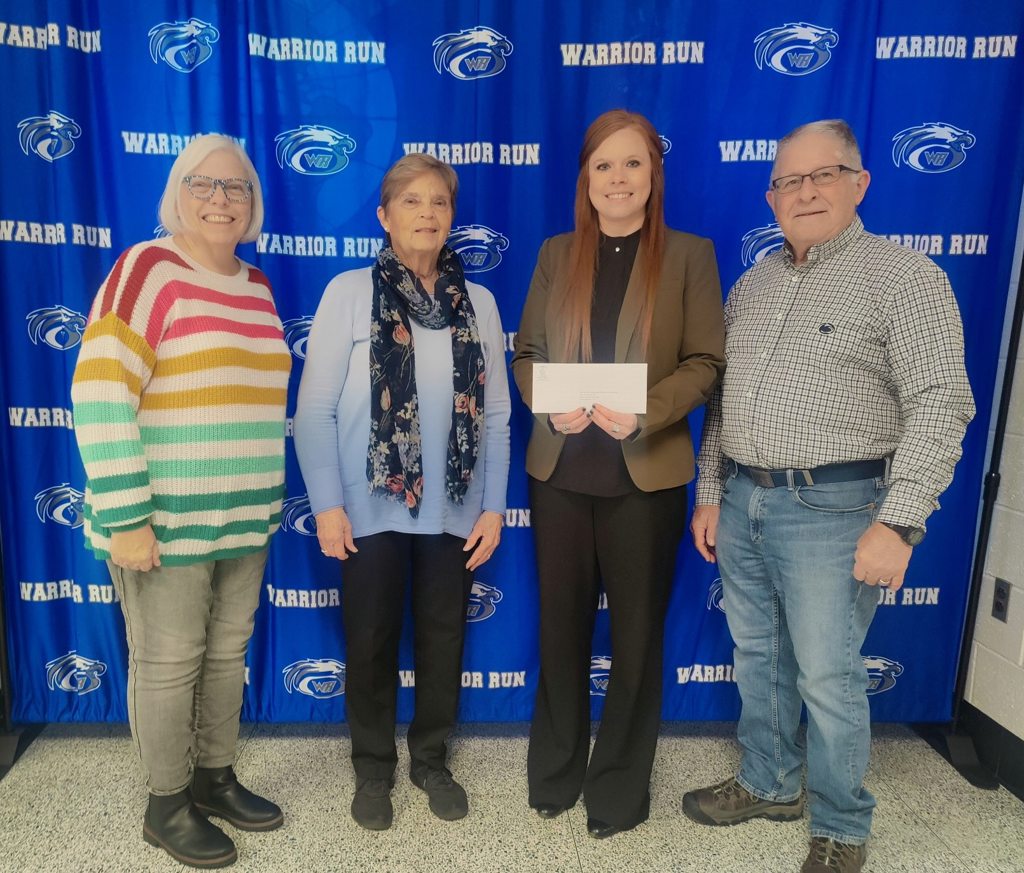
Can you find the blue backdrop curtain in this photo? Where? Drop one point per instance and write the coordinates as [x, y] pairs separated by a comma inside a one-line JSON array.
[[99, 97]]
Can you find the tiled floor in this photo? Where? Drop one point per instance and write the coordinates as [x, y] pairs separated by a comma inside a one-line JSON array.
[[73, 803]]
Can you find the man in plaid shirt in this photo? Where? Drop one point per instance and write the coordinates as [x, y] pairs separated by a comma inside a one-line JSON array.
[[838, 424]]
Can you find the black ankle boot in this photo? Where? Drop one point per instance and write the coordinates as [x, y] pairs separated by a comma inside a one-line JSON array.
[[173, 824], [217, 791]]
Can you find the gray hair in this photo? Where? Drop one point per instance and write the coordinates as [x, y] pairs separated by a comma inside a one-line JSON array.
[[191, 157], [407, 168], [835, 127]]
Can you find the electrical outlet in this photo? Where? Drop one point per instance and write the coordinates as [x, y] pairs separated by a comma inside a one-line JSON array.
[[1001, 599]]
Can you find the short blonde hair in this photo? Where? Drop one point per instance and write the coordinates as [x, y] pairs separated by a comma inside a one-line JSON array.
[[191, 157], [407, 168]]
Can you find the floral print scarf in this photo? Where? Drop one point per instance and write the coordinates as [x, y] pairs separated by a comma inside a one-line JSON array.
[[394, 464]]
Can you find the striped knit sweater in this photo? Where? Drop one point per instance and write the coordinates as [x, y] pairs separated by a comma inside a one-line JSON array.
[[179, 400]]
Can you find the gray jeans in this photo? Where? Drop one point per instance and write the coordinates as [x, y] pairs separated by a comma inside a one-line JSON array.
[[188, 629]]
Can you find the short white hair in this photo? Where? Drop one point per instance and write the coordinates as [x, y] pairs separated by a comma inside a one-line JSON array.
[[834, 127], [191, 157]]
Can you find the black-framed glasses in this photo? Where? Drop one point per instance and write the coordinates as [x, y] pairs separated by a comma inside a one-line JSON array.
[[203, 188], [822, 178]]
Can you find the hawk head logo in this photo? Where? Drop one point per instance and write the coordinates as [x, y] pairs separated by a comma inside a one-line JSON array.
[[61, 504], [49, 136], [716, 596], [882, 673], [934, 147], [321, 678], [314, 150], [56, 326], [795, 49], [474, 53], [482, 602], [297, 515], [74, 673], [478, 246], [182, 45], [296, 334], [759, 242], [600, 671]]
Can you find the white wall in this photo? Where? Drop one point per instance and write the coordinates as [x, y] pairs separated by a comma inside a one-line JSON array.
[[995, 683]]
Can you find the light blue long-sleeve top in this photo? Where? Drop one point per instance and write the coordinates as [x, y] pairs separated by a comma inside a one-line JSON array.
[[332, 421]]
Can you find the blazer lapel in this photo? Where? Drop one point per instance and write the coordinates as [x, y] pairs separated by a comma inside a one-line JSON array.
[[629, 315]]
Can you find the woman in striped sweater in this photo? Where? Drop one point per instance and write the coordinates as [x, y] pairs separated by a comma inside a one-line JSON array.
[[179, 397]]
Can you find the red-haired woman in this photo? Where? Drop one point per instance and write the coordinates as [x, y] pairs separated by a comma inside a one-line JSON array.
[[607, 488]]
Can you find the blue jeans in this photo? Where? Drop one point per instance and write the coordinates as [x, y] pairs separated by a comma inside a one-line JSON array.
[[799, 618]]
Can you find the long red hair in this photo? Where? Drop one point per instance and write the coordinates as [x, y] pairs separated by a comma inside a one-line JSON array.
[[581, 268]]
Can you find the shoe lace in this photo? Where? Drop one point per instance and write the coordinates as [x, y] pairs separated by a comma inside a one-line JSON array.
[[729, 788], [831, 854], [376, 787], [438, 779]]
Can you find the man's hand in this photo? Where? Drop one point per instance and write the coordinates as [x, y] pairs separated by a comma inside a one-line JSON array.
[[704, 527], [135, 549], [881, 557], [334, 531], [486, 535]]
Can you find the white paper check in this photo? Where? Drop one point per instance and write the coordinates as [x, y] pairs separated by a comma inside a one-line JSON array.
[[564, 387]]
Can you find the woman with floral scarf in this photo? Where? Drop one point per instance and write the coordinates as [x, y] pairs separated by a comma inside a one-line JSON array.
[[402, 435]]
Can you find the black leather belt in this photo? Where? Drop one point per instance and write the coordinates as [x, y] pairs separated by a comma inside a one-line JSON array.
[[824, 475]]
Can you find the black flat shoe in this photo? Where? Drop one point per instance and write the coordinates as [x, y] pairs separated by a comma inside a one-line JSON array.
[[548, 810], [601, 830]]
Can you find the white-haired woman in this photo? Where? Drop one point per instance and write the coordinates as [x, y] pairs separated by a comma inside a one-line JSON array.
[[180, 396], [402, 434]]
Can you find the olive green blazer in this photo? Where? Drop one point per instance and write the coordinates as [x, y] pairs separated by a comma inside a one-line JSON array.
[[685, 356]]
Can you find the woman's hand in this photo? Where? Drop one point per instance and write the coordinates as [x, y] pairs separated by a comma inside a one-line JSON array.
[[135, 549], [486, 535], [334, 531], [570, 422], [618, 425]]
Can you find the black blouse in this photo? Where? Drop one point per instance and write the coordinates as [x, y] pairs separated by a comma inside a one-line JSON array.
[[591, 462]]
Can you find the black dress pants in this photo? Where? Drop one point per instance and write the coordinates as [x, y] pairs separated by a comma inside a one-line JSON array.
[[629, 543], [373, 598]]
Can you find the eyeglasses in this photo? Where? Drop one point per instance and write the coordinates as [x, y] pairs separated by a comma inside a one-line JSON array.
[[204, 187], [821, 178]]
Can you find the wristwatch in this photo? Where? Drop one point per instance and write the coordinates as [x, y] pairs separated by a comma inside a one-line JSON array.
[[910, 535]]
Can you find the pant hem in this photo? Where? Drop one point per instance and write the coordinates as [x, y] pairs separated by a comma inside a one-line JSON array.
[[849, 839], [765, 795]]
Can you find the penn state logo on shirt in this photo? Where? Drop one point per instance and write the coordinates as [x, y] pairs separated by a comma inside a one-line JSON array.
[[483, 600], [49, 136], [296, 334], [716, 596], [882, 673], [182, 45], [666, 144], [297, 515], [478, 245], [474, 53], [74, 673], [600, 671], [56, 326], [321, 678], [933, 147], [759, 242], [314, 149], [795, 49], [61, 504]]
